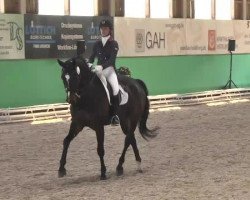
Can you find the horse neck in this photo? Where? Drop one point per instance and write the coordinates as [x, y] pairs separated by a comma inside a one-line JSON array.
[[86, 79], [91, 85]]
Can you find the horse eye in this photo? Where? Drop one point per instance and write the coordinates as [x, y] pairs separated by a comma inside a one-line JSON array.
[[78, 70], [67, 77]]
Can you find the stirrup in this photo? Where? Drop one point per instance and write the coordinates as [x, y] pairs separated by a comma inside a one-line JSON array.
[[115, 121]]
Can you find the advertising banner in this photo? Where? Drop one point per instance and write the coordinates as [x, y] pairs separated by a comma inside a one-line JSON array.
[[12, 36], [224, 32], [44, 36], [56, 36], [200, 37], [149, 37], [242, 36], [161, 37]]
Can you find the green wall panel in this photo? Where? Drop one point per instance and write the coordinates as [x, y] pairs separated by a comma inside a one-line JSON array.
[[30, 82], [34, 82], [182, 74]]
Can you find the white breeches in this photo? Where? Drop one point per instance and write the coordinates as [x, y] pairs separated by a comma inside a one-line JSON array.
[[109, 75]]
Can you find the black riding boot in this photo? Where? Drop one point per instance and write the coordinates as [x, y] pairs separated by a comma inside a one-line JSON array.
[[115, 121]]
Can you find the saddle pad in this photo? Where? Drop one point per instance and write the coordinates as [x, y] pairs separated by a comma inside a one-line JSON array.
[[124, 94]]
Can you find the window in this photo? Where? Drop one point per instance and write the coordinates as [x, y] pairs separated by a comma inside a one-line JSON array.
[[12, 6], [32, 6], [135, 8], [159, 9], [183, 8], [51, 7], [1, 6], [223, 9], [190, 8], [104, 8], [248, 9], [178, 9], [203, 9], [82, 7], [119, 8], [238, 9]]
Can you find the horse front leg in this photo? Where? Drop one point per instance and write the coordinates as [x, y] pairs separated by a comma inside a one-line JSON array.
[[73, 132], [101, 151]]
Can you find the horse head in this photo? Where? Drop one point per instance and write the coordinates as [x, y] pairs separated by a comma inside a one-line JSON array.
[[75, 74]]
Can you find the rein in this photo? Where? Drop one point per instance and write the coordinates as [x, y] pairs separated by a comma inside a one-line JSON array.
[[84, 78]]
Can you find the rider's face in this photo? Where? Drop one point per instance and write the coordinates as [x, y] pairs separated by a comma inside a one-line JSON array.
[[105, 31]]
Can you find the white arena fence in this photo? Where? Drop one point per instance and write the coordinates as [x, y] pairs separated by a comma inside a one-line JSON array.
[[158, 102]]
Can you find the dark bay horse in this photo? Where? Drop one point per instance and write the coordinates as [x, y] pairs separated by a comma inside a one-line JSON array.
[[90, 107]]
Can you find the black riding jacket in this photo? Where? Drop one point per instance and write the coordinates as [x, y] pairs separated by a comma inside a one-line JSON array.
[[106, 55]]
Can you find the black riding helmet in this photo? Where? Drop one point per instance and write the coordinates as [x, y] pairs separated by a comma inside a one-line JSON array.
[[106, 23]]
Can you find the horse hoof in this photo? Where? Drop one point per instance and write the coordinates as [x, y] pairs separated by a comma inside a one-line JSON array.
[[103, 177], [139, 166], [119, 171], [62, 173]]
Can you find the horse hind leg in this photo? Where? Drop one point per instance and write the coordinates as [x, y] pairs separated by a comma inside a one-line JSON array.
[[136, 152], [130, 139], [73, 132], [119, 168]]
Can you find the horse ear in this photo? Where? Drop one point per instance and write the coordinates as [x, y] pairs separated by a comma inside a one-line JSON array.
[[61, 63]]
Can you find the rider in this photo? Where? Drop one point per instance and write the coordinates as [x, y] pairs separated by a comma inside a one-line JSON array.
[[105, 50]]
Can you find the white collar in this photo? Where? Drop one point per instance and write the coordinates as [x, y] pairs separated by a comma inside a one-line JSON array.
[[105, 39]]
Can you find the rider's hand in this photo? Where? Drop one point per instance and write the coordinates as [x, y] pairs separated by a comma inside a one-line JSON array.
[[90, 65], [97, 68]]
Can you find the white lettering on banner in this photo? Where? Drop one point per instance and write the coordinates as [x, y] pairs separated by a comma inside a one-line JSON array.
[[41, 46], [156, 39], [40, 30], [95, 37], [40, 37], [71, 26], [71, 37], [66, 47], [93, 31]]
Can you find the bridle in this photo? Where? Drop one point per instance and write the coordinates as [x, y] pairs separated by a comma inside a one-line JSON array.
[[73, 70], [76, 93]]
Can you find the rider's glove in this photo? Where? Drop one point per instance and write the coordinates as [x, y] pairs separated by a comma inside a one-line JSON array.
[[90, 65], [97, 68]]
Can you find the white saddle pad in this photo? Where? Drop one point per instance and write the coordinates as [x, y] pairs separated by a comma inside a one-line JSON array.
[[124, 94]]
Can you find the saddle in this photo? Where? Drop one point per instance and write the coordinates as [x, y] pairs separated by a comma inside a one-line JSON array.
[[109, 91]]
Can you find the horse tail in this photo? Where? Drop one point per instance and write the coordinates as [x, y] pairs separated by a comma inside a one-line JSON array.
[[144, 131]]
